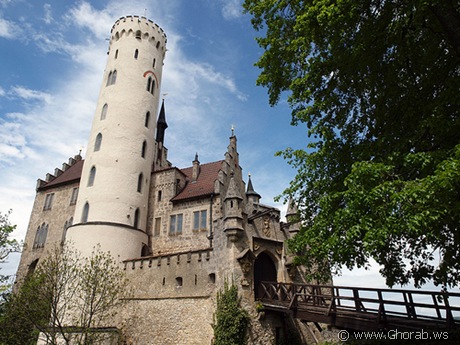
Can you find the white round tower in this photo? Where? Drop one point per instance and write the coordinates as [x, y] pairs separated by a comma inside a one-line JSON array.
[[114, 189]]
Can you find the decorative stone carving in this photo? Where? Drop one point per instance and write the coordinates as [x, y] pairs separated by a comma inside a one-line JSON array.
[[266, 229], [246, 260]]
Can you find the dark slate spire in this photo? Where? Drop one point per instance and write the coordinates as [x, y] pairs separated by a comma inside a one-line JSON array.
[[250, 191], [161, 124]]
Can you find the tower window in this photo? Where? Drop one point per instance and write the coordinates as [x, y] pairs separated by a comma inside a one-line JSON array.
[[104, 111], [40, 236], [199, 220], [114, 77], [48, 201], [144, 149], [158, 44], [92, 176], [147, 119], [179, 281], [84, 215], [136, 218], [159, 195], [116, 52], [157, 229], [154, 62], [136, 54], [138, 34], [139, 182], [175, 224], [151, 85], [74, 196], [98, 142]]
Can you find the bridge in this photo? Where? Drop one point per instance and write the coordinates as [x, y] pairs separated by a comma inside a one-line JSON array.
[[359, 308]]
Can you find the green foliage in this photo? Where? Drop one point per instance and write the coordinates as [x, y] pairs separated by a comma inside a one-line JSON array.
[[231, 320], [67, 290], [7, 245], [376, 83]]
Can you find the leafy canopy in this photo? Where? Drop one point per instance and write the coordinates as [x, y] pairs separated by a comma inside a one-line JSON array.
[[377, 85]]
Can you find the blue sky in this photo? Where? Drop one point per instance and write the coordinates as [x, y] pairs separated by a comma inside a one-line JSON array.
[[52, 58]]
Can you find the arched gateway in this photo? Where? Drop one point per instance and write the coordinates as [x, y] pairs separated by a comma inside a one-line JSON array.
[[264, 270]]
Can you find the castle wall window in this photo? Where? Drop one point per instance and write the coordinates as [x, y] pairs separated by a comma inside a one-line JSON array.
[[179, 281], [136, 218], [139, 182], [64, 232], [158, 44], [154, 62], [159, 196], [92, 176], [74, 196], [112, 78], [199, 220], [138, 34], [48, 201], [147, 119], [144, 149], [98, 142], [157, 228], [136, 54], [151, 85], [40, 236], [175, 224], [116, 52], [104, 111], [84, 215]]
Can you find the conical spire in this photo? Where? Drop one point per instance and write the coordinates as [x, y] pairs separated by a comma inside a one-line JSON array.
[[251, 192], [161, 124]]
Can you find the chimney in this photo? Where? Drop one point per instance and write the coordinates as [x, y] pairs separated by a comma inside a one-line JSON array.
[[196, 168]]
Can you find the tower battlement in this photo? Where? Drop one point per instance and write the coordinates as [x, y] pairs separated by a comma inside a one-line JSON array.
[[140, 27]]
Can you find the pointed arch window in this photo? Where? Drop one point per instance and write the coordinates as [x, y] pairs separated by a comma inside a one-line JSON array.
[[84, 215], [139, 182], [144, 149], [136, 54], [92, 176], [114, 77], [98, 142], [147, 119], [109, 79], [104, 111], [136, 218], [151, 85]]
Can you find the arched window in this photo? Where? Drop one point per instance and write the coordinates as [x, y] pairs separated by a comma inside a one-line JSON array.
[[109, 79], [139, 182], [98, 142], [152, 89], [138, 34], [104, 111], [136, 54], [84, 215], [114, 77], [154, 62], [144, 149], [158, 44], [92, 176], [136, 218], [116, 51], [147, 119]]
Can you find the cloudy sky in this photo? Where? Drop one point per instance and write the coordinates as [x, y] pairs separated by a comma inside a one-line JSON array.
[[52, 58]]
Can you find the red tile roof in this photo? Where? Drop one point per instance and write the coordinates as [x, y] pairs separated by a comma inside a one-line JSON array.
[[204, 185], [72, 174]]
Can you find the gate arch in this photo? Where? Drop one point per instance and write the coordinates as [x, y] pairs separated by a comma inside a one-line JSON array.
[[264, 270]]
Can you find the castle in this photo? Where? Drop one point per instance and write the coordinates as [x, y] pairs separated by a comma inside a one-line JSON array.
[[179, 233]]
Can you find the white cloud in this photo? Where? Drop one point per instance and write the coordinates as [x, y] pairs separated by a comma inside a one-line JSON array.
[[8, 29], [2, 91], [28, 94], [48, 16], [232, 9]]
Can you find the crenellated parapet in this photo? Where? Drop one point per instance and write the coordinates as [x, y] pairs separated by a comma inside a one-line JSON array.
[[50, 177]]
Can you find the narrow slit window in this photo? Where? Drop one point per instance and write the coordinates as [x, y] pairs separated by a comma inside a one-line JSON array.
[[136, 218], [139, 182], [84, 216], [147, 119], [92, 176], [144, 149], [104, 111], [98, 142], [136, 54], [116, 54]]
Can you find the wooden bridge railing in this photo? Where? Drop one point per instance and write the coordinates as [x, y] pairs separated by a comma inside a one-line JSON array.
[[364, 307]]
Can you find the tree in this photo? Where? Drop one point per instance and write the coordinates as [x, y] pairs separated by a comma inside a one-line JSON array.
[[231, 320], [7, 245], [376, 83], [68, 298]]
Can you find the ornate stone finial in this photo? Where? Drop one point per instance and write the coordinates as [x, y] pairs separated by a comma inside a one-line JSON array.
[[233, 131]]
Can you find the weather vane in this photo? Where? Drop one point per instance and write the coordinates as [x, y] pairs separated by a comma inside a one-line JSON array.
[[233, 130]]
